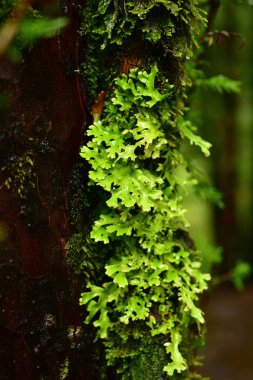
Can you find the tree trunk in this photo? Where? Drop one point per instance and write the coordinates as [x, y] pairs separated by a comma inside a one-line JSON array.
[[226, 158], [43, 120]]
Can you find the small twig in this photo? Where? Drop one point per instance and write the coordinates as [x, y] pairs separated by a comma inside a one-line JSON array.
[[221, 34]]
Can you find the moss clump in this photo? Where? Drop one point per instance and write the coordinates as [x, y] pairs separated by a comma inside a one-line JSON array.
[[119, 31]]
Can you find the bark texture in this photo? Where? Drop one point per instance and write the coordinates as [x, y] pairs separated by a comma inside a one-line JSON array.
[[40, 314]]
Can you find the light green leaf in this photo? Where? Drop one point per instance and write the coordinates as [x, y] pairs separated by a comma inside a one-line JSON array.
[[178, 363], [186, 129], [111, 269], [121, 280], [136, 309], [220, 83], [186, 297]]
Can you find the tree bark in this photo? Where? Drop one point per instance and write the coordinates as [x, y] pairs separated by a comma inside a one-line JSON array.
[[225, 170], [40, 314]]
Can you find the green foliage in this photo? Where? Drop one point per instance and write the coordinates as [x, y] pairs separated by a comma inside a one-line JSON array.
[[115, 21], [212, 255], [64, 371], [219, 83], [153, 30], [209, 193], [187, 130], [240, 273], [153, 276]]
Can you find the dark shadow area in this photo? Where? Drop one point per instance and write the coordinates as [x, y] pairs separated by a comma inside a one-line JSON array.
[[229, 349]]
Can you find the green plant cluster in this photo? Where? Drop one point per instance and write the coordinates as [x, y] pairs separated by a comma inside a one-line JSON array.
[[116, 20], [241, 273], [154, 276], [160, 30], [144, 304]]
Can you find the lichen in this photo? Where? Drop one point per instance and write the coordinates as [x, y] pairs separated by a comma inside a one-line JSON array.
[[143, 304]]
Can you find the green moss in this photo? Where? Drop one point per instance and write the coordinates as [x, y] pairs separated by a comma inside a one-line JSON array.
[[83, 256], [19, 174], [143, 358], [159, 31]]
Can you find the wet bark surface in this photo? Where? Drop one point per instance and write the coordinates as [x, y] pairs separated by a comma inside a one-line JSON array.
[[229, 350], [42, 123]]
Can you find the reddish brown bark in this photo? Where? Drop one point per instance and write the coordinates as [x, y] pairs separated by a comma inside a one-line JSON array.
[[39, 293]]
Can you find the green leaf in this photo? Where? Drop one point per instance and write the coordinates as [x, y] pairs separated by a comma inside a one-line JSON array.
[[147, 130], [121, 280], [178, 363], [186, 297], [154, 278], [186, 129], [104, 295], [99, 233], [220, 83], [103, 323], [240, 273], [103, 5], [108, 226], [129, 185], [136, 309]]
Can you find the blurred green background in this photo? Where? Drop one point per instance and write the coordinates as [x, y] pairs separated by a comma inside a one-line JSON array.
[[226, 120]]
